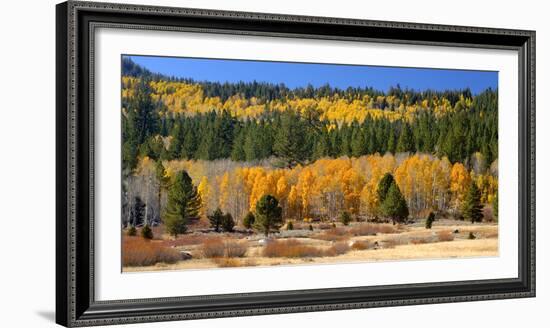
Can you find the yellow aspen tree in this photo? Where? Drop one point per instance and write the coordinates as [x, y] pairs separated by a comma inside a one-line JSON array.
[[204, 191], [460, 181]]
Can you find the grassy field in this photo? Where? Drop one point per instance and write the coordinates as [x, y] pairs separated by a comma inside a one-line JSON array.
[[358, 242]]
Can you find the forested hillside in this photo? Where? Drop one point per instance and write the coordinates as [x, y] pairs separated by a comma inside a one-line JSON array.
[[320, 151]]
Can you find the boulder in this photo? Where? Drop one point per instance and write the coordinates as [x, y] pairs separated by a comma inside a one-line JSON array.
[[185, 256]]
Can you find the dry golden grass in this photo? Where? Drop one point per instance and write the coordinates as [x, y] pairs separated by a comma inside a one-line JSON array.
[[408, 242]]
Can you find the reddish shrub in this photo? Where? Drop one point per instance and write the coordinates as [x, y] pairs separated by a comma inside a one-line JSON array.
[[217, 247], [337, 249], [234, 249], [445, 236], [290, 248], [137, 251], [212, 247], [334, 234], [185, 240], [360, 245], [418, 241], [371, 229]]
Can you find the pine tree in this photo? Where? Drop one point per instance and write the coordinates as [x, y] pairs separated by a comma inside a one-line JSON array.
[[146, 232], [183, 204], [471, 208], [132, 231], [345, 218], [138, 212], [237, 151], [139, 122], [406, 140], [290, 143], [429, 220], [384, 186], [189, 144], [268, 215], [248, 220], [394, 205], [358, 144], [176, 143], [216, 219], [228, 223], [391, 142], [289, 225]]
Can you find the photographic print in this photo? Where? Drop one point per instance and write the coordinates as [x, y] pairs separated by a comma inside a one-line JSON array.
[[241, 163]]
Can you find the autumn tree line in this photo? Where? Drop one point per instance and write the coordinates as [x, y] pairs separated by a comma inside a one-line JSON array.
[[318, 151]]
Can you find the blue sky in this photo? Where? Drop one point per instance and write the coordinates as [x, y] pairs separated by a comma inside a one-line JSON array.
[[301, 74]]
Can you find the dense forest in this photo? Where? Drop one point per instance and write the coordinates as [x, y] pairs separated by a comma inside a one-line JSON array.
[[320, 150]]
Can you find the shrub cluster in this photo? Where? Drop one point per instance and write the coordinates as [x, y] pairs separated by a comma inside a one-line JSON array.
[[144, 252], [217, 247]]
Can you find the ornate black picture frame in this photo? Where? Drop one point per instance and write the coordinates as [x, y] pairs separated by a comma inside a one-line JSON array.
[[75, 301]]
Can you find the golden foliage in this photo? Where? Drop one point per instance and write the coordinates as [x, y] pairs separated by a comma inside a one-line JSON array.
[[326, 187], [189, 99]]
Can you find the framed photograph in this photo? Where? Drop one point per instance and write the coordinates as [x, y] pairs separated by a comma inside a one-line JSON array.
[[215, 164]]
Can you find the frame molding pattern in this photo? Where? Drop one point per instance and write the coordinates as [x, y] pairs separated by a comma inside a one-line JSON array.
[[75, 304]]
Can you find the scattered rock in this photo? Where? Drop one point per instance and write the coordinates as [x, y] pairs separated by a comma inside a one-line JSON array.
[[264, 241], [186, 256]]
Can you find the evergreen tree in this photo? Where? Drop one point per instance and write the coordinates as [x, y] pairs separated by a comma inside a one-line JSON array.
[[268, 215], [228, 223], [132, 231], [405, 143], [384, 186], [392, 144], [183, 204], [237, 152], [394, 205], [290, 142], [176, 143], [248, 220], [358, 144], [139, 122], [345, 218], [138, 212], [289, 225], [472, 209], [216, 219], [429, 220], [189, 145], [146, 232]]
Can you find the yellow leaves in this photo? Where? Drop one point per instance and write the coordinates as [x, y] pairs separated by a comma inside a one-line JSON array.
[[326, 187], [188, 98], [460, 182], [224, 190], [145, 166], [204, 191]]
